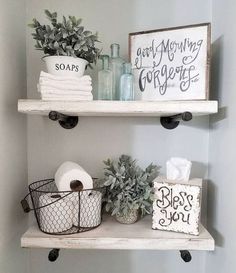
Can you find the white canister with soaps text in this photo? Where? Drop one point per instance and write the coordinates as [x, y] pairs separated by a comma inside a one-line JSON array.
[[66, 66]]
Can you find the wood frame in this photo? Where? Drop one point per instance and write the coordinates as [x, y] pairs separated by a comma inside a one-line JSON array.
[[208, 53]]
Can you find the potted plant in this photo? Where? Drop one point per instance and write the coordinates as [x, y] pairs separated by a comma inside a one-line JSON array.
[[68, 47], [129, 188]]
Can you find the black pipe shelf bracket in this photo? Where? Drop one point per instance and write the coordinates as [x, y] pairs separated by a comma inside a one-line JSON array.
[[53, 254], [67, 122], [185, 255], [171, 122]]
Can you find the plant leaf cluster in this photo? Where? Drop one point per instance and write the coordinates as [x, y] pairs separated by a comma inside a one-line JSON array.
[[128, 186], [66, 38]]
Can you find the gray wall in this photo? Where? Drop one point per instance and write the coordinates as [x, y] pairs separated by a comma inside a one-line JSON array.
[[96, 139], [13, 167], [222, 150]]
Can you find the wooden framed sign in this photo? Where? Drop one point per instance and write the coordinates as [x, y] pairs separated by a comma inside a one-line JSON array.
[[177, 205], [171, 64]]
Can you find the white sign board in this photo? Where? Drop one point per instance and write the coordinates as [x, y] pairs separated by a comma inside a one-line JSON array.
[[177, 206], [171, 64]]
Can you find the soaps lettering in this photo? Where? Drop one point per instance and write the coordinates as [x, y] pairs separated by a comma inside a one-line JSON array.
[[169, 204], [167, 61], [68, 67]]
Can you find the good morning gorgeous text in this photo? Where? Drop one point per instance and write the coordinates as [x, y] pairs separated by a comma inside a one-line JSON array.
[[163, 63], [169, 204]]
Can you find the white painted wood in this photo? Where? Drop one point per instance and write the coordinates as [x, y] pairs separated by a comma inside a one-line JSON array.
[[118, 108], [171, 64], [177, 205], [113, 235]]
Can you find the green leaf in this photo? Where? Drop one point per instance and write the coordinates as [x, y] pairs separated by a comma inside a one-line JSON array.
[[80, 30], [78, 21], [54, 15], [48, 13], [64, 21], [77, 46], [108, 207], [38, 45], [32, 25], [48, 28], [73, 20], [87, 33], [56, 45], [115, 211]]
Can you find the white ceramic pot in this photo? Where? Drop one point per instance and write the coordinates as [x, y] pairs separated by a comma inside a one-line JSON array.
[[65, 66]]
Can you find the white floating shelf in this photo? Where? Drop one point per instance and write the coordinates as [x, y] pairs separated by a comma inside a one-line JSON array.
[[118, 108], [112, 235]]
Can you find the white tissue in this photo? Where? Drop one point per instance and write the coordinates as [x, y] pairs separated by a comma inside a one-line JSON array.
[[69, 172], [89, 214], [178, 169], [55, 217]]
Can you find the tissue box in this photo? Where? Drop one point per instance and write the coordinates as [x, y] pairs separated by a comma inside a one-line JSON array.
[[177, 205]]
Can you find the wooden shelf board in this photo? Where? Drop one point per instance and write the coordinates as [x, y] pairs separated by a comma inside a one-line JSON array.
[[118, 108], [112, 235]]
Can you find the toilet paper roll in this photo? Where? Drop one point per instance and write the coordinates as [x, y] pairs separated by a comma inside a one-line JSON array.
[[87, 209], [72, 177], [57, 216], [178, 169]]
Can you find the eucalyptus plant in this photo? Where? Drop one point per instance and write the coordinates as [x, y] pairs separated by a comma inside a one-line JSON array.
[[128, 186], [66, 38]]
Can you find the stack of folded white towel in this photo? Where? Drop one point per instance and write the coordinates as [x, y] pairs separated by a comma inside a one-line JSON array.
[[54, 87]]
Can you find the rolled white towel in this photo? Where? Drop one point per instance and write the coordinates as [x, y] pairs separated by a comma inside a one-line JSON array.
[[47, 76]]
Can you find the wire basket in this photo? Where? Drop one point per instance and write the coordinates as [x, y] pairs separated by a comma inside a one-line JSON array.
[[67, 212]]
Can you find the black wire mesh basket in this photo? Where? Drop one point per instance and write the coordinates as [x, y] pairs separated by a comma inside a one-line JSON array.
[[67, 212]]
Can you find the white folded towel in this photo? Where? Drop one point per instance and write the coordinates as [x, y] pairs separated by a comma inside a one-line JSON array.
[[52, 90], [67, 98], [45, 76], [54, 87], [78, 94], [64, 92], [46, 81], [65, 86]]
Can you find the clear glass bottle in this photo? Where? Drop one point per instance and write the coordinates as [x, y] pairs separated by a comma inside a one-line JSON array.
[[116, 66], [105, 80], [127, 83]]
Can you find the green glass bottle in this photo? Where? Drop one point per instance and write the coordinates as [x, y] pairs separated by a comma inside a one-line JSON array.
[[105, 80], [127, 83], [116, 66]]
